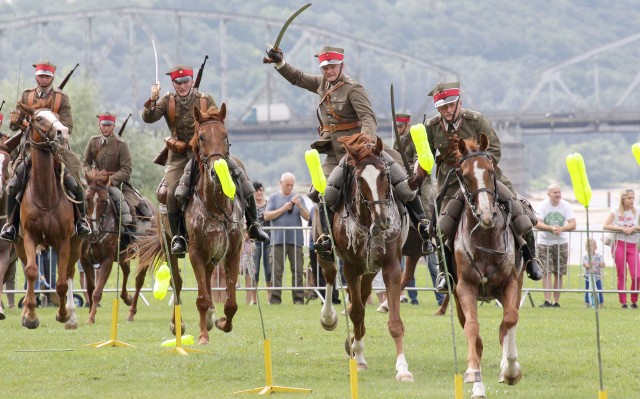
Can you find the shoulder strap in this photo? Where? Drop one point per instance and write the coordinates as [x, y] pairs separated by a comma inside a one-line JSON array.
[[203, 104], [31, 97], [171, 114], [57, 99]]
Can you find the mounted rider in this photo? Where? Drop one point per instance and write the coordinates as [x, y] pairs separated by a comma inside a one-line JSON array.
[[110, 153], [177, 109], [344, 109], [58, 102], [454, 123]]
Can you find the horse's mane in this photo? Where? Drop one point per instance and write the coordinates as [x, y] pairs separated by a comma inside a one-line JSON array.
[[360, 146], [472, 146]]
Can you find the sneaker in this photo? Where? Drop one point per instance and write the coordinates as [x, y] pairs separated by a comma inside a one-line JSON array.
[[415, 302], [634, 306], [546, 304], [624, 306], [403, 299], [383, 308], [556, 305]]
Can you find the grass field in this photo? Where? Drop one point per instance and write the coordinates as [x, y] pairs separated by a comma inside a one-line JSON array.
[[557, 350]]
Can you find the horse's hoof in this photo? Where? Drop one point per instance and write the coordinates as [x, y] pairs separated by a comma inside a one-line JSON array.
[[203, 341], [472, 376], [211, 319], [2, 315], [61, 319], [510, 380], [404, 376], [130, 317], [222, 324], [70, 326], [363, 367], [172, 327], [348, 343], [30, 324], [90, 321], [330, 324], [439, 312]]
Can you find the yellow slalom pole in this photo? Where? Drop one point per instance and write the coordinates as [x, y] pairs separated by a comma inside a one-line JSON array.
[[267, 362], [179, 349], [457, 382], [353, 376], [113, 338]]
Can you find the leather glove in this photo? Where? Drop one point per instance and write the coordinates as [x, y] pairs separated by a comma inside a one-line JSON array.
[[14, 116], [273, 56], [155, 92]]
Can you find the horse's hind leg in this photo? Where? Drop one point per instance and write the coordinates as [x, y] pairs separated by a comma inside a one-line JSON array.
[[134, 302], [126, 270], [102, 275], [510, 371]]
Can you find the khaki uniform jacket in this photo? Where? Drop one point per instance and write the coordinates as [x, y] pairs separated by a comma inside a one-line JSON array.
[[113, 156], [347, 103], [472, 125], [183, 126], [64, 110]]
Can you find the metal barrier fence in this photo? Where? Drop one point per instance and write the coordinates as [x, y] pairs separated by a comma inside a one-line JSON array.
[[296, 274]]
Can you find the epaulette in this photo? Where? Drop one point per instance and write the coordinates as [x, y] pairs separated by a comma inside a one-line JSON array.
[[56, 90], [169, 94], [96, 137], [434, 120], [469, 114], [198, 94]]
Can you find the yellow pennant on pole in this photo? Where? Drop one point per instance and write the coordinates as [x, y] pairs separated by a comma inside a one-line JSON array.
[[579, 179], [312, 157], [419, 137], [222, 170]]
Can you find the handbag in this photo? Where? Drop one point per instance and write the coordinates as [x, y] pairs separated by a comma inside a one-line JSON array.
[[609, 238]]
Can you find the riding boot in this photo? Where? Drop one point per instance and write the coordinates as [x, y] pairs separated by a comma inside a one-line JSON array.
[[421, 223], [323, 246], [253, 225], [178, 242], [82, 225], [10, 229], [442, 283], [534, 269]]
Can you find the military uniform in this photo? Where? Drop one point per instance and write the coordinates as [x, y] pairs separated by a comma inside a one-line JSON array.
[[112, 154]]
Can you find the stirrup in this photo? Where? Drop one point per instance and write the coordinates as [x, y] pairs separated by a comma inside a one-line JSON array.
[[323, 244], [82, 227], [442, 282], [9, 233], [256, 233], [178, 245]]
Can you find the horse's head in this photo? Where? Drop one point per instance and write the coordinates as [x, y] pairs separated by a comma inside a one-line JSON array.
[[210, 141], [97, 197], [478, 179], [45, 129], [371, 175]]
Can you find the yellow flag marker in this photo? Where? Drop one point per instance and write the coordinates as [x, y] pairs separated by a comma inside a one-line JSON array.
[[312, 157], [636, 152], [419, 137], [186, 340], [579, 179], [161, 285], [222, 170]]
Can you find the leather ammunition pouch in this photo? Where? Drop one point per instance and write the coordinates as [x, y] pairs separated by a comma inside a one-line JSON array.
[[175, 145]]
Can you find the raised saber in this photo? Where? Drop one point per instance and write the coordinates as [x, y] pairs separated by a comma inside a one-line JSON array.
[[155, 56], [395, 131], [293, 16]]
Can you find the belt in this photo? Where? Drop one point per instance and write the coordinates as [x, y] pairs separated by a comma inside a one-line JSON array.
[[338, 127]]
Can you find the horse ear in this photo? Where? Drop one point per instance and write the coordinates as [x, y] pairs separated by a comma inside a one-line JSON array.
[[223, 112], [197, 114], [462, 147], [379, 145], [26, 108], [484, 142]]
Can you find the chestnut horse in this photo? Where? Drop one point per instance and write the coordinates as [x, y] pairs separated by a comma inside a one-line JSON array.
[[100, 247], [487, 263], [368, 231], [214, 224], [47, 216], [7, 252]]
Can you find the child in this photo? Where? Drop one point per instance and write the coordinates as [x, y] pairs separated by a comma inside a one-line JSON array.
[[592, 270], [247, 268]]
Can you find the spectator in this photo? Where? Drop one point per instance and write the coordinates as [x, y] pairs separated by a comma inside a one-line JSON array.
[[284, 209], [592, 263], [624, 221], [10, 283], [554, 221], [247, 268], [261, 250]]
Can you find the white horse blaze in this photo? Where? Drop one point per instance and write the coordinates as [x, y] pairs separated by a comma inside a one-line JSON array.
[[484, 204], [55, 123], [370, 175]]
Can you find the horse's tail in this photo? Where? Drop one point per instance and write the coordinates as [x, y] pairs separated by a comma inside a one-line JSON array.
[[148, 250]]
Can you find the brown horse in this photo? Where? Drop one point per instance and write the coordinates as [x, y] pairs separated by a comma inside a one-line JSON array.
[[214, 224], [7, 252], [368, 232], [486, 262], [47, 216], [100, 247]]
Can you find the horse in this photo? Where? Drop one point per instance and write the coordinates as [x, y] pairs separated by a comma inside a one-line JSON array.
[[368, 233], [487, 263], [7, 252], [47, 216], [102, 245], [214, 223]]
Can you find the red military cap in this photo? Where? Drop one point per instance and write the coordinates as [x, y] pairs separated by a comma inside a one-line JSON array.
[[181, 73], [106, 118], [330, 55], [445, 93], [45, 68], [403, 118], [1, 116]]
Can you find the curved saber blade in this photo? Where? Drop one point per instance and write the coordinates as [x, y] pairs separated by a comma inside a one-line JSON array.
[[155, 55], [293, 16]]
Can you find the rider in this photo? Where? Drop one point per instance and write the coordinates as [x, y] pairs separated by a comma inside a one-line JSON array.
[[58, 102], [177, 109], [109, 152], [444, 130], [344, 109]]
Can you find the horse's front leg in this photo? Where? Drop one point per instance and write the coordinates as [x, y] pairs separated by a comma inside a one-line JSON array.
[[29, 315], [466, 295], [391, 274], [356, 309], [328, 316], [102, 276], [126, 270], [231, 267], [62, 287], [176, 277], [510, 371], [134, 303]]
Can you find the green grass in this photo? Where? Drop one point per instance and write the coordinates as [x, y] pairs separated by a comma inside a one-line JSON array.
[[557, 350]]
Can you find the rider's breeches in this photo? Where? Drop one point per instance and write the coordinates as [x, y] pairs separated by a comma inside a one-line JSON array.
[[121, 205]]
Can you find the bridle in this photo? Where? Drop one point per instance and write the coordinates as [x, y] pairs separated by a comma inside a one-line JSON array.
[[49, 144], [99, 234], [470, 195]]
